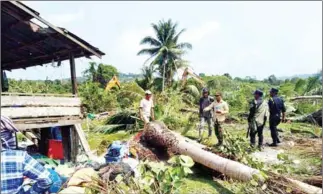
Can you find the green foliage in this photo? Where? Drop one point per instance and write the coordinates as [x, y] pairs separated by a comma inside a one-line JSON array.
[[155, 177], [100, 73], [165, 49], [314, 85], [287, 89], [307, 107], [130, 95], [47, 86], [148, 81], [300, 86], [95, 99]]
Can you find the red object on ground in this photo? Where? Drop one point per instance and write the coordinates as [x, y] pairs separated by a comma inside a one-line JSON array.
[[55, 149], [137, 137]]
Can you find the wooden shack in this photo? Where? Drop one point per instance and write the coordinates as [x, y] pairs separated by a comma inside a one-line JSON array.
[[25, 44]]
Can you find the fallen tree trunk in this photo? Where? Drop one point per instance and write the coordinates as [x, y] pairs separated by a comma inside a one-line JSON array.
[[157, 134], [309, 189], [307, 98], [314, 118], [315, 181]]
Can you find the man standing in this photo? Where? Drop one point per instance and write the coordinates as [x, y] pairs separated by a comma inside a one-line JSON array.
[[205, 101], [16, 164], [257, 118], [146, 110], [221, 109], [276, 108]]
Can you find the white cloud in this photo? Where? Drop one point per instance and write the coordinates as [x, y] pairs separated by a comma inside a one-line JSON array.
[[61, 19], [130, 39], [200, 32]]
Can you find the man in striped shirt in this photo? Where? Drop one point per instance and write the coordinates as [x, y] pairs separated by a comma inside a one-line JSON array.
[[16, 164]]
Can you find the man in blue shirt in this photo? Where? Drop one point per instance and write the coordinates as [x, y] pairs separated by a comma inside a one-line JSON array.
[[276, 109], [16, 164]]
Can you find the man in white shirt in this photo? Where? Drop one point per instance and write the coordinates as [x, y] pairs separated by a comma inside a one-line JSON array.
[[146, 111], [221, 109]]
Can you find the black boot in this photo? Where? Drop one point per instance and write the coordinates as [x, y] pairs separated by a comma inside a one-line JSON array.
[[273, 145], [219, 144]]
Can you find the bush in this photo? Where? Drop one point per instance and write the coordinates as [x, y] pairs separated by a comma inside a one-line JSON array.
[[95, 99]]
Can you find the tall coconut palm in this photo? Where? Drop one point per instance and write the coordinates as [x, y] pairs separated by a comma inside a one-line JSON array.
[[165, 51]]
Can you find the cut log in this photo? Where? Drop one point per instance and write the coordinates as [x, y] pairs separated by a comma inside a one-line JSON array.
[[305, 187], [157, 134], [315, 181], [307, 98]]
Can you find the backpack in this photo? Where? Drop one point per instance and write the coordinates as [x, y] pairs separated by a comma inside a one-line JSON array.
[[116, 151]]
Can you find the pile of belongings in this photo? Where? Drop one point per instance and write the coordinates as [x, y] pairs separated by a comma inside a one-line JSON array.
[[89, 173]]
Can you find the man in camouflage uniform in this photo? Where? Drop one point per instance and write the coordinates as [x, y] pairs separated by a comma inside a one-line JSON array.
[[257, 118], [220, 111]]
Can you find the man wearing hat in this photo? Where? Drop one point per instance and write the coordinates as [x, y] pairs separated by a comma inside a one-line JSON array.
[[205, 101], [221, 109], [276, 109], [16, 164], [146, 108], [257, 118]]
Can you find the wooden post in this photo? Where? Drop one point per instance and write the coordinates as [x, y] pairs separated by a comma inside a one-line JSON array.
[[74, 143], [1, 80], [73, 74], [66, 143]]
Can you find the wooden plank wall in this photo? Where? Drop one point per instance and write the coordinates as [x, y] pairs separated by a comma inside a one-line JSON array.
[[39, 107], [7, 101], [32, 112]]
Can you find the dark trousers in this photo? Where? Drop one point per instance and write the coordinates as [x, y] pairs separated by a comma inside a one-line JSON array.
[[218, 131], [273, 123], [260, 136]]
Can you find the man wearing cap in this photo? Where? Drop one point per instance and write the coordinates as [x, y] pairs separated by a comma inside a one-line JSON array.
[[146, 108], [205, 101], [221, 109], [16, 164], [257, 118], [276, 109]]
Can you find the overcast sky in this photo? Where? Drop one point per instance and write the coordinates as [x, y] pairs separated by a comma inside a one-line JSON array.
[[239, 38]]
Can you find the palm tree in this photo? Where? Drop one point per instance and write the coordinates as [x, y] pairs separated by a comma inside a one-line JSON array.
[[165, 50]]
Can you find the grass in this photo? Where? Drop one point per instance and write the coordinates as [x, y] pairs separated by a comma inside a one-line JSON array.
[[199, 185], [100, 142]]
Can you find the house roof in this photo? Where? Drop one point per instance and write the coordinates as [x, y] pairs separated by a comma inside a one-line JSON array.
[[25, 43]]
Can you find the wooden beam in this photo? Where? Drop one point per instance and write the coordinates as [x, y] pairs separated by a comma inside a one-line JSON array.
[[27, 126], [32, 43], [73, 74], [83, 140], [36, 94], [52, 55], [25, 44], [32, 112], [7, 101], [64, 33]]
